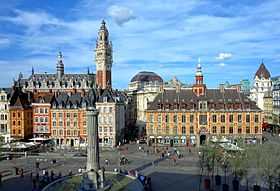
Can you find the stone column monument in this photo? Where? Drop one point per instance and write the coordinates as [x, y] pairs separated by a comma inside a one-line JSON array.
[[93, 145], [94, 178]]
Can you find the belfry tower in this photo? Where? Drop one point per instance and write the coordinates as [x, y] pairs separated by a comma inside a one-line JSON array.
[[59, 66], [199, 87], [103, 58]]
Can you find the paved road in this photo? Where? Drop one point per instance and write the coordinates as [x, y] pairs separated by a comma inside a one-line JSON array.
[[165, 174]]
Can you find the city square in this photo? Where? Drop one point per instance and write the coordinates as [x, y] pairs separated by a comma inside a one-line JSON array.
[[139, 95]]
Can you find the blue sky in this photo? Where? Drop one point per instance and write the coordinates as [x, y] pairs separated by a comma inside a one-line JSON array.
[[164, 36]]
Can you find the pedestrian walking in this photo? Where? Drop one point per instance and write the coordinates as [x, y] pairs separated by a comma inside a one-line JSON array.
[[21, 173], [34, 183], [107, 162], [52, 175], [174, 160]]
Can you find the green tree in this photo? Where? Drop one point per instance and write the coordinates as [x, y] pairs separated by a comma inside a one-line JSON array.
[[270, 164]]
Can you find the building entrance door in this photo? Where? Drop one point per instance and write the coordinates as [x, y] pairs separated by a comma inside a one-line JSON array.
[[72, 143], [202, 139], [171, 143]]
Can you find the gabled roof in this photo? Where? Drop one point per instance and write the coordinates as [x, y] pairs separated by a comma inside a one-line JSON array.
[[111, 95], [262, 72], [20, 99]]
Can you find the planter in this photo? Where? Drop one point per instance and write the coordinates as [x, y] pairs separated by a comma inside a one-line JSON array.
[[207, 184], [256, 188], [218, 180], [225, 187], [235, 185]]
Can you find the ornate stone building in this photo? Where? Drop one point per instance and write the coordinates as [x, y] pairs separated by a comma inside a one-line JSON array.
[[103, 58], [48, 84], [43, 84], [68, 118], [143, 88], [181, 116], [111, 118], [262, 84], [4, 114]]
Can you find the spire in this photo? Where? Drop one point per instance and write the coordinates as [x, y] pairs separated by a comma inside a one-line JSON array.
[[103, 32], [20, 76], [103, 22], [262, 72], [32, 71], [59, 56], [88, 70], [198, 69]]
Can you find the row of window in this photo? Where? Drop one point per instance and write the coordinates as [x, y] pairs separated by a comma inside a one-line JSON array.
[[67, 124], [19, 131], [29, 122], [3, 128], [68, 115], [41, 119], [105, 129], [4, 117], [41, 110], [214, 130], [4, 107], [63, 133], [105, 119], [105, 109], [3, 98], [167, 130], [42, 129], [203, 118], [29, 114]]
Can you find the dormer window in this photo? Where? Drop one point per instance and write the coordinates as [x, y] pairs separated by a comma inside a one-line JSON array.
[[203, 105]]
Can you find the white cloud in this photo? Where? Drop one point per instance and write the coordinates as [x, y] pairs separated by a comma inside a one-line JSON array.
[[224, 56], [120, 14], [4, 41], [222, 64], [32, 20]]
